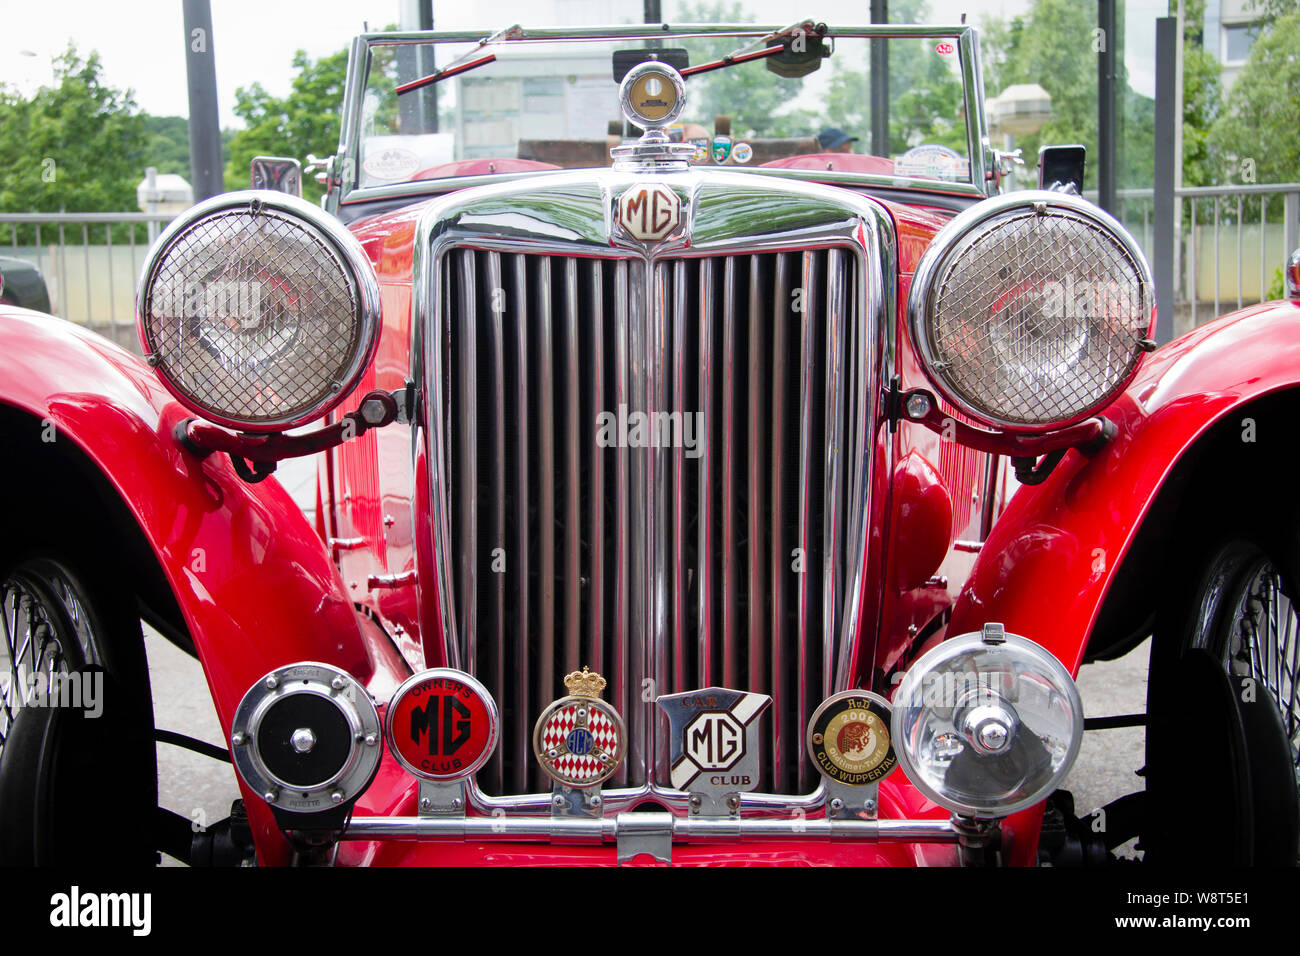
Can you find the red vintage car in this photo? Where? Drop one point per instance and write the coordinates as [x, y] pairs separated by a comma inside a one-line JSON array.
[[687, 492]]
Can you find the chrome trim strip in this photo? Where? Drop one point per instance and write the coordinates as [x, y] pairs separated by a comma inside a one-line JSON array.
[[807, 377], [641, 712], [546, 476], [658, 299]]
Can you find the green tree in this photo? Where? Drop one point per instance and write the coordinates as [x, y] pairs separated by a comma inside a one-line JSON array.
[[1261, 119], [78, 145], [1202, 93], [306, 121], [750, 94]]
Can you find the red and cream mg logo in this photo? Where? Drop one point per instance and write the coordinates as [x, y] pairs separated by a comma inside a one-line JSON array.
[[649, 211]]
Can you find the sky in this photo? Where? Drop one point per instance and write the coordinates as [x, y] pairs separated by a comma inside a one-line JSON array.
[[142, 47]]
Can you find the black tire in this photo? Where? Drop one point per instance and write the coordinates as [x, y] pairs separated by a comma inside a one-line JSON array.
[[1223, 734], [78, 774]]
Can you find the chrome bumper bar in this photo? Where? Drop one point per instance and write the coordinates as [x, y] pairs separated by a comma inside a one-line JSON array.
[[617, 828]]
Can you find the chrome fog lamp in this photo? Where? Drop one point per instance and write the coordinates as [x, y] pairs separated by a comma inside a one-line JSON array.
[[258, 310], [1031, 311], [987, 724]]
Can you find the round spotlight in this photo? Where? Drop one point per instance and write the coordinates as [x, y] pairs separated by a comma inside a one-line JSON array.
[[307, 738], [1032, 311], [987, 724], [258, 310]]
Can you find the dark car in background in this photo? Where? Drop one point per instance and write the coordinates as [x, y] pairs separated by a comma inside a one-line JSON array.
[[22, 284]]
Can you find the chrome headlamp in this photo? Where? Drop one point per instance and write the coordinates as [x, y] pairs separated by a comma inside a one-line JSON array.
[[1031, 311], [259, 311], [987, 724]]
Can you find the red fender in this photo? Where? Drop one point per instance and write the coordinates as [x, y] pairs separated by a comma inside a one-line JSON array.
[[1053, 554], [253, 580]]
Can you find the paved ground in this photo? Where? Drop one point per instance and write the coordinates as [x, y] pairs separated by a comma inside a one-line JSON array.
[[202, 789]]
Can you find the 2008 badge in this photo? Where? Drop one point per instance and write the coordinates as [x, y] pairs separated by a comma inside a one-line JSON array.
[[848, 738]]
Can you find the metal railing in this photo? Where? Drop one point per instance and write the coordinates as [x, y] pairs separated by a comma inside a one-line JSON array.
[[89, 274], [1226, 238]]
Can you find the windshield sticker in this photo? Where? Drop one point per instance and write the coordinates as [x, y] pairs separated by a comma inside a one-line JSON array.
[[391, 163], [932, 161]]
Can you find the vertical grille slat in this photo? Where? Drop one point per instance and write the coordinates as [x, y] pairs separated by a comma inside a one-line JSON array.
[[517, 557], [599, 402], [730, 596], [708, 463], [832, 573], [758, 382], [495, 632], [572, 581], [662, 565], [546, 480], [467, 460], [623, 544], [783, 731]]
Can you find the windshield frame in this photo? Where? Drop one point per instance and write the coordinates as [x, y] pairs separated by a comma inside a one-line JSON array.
[[343, 188]]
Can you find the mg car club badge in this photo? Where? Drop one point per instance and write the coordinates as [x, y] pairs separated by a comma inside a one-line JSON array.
[[713, 739], [848, 738], [442, 724], [580, 740]]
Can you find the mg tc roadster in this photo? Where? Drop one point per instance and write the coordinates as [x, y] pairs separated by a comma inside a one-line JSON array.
[[692, 488]]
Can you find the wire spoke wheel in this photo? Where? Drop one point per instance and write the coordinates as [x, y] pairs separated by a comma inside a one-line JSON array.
[[1263, 643], [75, 714]]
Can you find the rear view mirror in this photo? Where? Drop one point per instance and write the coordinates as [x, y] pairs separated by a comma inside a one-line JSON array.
[[1060, 167], [279, 173]]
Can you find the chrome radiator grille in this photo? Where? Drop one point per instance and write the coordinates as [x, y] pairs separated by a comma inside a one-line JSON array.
[[664, 568]]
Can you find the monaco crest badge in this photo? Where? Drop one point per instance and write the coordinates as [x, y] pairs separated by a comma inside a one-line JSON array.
[[580, 740], [649, 211]]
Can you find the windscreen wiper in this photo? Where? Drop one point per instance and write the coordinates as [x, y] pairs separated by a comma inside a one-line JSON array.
[[774, 43], [463, 64]]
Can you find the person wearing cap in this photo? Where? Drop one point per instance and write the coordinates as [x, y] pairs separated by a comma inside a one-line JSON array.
[[835, 140]]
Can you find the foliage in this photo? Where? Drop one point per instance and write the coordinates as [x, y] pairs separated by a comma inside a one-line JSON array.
[[306, 121], [78, 145], [751, 95], [1202, 94], [1261, 119]]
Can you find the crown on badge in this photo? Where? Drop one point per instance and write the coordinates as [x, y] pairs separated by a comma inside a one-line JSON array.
[[584, 683]]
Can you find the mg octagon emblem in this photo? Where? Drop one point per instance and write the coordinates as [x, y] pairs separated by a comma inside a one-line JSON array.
[[714, 741], [649, 211]]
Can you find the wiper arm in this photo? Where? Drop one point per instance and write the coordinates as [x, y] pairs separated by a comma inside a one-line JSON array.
[[465, 63], [758, 49]]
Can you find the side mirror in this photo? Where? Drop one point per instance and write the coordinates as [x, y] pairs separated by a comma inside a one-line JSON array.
[[1291, 276], [278, 173], [1060, 167]]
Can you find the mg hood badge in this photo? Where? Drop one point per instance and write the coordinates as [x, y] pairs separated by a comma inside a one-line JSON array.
[[713, 744], [580, 740], [649, 211]]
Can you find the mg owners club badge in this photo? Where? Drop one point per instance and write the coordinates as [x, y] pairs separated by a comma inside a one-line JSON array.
[[442, 724], [580, 740], [848, 738]]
